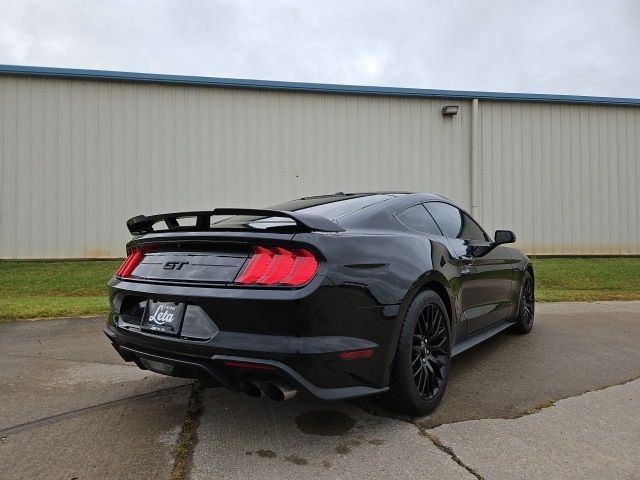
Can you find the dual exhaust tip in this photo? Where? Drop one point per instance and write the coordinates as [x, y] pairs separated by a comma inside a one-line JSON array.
[[275, 389]]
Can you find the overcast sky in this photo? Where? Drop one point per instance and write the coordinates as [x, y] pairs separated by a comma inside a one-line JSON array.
[[581, 47]]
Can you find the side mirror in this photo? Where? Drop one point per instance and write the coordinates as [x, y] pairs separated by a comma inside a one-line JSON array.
[[504, 236]]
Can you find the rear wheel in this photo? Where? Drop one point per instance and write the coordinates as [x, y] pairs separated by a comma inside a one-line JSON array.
[[526, 310], [421, 366]]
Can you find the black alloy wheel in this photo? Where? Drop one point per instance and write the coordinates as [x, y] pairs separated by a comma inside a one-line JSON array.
[[526, 309], [421, 364], [429, 352], [527, 300]]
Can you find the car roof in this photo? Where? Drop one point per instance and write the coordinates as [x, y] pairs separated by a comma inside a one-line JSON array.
[[358, 205], [381, 214], [374, 192], [360, 210], [383, 199], [403, 197]]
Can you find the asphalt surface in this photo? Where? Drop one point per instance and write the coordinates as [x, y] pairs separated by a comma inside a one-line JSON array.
[[70, 408]]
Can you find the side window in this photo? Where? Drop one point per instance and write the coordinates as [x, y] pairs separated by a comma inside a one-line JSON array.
[[454, 223], [417, 218], [471, 230]]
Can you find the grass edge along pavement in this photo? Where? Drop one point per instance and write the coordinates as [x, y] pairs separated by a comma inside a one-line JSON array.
[[48, 289], [183, 451]]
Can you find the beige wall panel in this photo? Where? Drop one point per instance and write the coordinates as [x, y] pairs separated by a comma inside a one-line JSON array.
[[79, 157], [563, 177]]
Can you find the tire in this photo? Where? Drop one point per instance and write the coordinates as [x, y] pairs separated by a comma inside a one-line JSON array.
[[421, 366], [526, 306]]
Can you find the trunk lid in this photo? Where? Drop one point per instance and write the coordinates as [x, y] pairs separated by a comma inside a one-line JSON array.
[[219, 267], [211, 257]]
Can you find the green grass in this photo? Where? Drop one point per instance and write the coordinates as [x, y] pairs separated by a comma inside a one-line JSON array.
[[587, 279], [183, 452], [54, 289], [76, 288]]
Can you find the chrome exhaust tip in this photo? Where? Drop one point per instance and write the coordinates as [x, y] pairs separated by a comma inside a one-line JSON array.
[[279, 390]]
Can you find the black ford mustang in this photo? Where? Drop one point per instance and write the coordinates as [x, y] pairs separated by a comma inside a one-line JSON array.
[[342, 295]]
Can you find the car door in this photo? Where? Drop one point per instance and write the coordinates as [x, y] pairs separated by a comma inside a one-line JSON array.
[[486, 271]]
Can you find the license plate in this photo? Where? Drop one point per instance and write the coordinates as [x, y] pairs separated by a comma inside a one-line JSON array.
[[163, 317]]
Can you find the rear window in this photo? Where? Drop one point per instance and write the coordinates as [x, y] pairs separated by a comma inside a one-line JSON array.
[[331, 207], [417, 218]]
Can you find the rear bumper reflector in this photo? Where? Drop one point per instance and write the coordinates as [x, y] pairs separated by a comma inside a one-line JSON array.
[[356, 354]]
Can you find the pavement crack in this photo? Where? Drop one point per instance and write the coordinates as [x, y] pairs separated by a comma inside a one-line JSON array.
[[423, 432], [540, 406], [550, 403], [529, 411], [5, 432], [188, 438], [436, 441]]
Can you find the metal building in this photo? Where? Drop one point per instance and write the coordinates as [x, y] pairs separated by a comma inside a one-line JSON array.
[[81, 151]]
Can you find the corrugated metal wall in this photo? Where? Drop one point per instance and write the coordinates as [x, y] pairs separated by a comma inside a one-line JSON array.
[[565, 178], [79, 157]]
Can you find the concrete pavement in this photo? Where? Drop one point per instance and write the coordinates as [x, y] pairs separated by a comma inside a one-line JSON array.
[[70, 408], [241, 437], [573, 348], [132, 439], [594, 435]]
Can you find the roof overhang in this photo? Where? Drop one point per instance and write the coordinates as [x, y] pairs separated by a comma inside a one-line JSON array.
[[82, 74]]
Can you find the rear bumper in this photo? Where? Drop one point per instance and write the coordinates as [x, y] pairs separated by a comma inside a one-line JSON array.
[[213, 370], [298, 334]]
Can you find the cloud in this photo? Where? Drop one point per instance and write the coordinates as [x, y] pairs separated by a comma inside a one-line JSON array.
[[574, 47]]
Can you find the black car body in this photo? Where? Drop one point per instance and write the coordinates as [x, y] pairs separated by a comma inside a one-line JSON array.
[[332, 329]]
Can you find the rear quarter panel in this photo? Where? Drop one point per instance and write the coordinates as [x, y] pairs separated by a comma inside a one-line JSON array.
[[383, 266], [381, 273], [522, 263]]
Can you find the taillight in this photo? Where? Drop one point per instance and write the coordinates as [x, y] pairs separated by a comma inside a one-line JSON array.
[[130, 264], [278, 266]]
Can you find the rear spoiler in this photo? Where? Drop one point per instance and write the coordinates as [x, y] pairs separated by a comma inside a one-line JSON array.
[[304, 221]]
